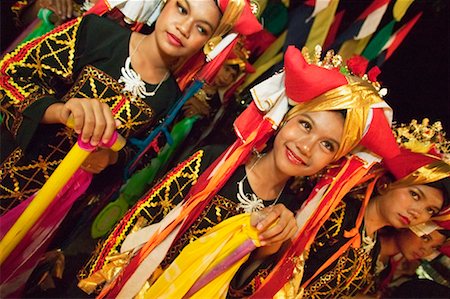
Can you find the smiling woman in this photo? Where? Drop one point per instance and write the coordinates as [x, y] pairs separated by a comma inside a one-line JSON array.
[[200, 194], [309, 142], [107, 78]]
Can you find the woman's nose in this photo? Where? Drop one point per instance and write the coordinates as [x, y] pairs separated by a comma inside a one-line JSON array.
[[304, 147], [185, 28], [415, 214]]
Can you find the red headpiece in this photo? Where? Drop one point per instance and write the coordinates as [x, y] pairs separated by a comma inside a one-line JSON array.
[[305, 82], [246, 23]]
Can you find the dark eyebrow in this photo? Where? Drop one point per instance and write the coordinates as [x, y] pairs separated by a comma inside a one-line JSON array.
[[187, 3], [202, 21]]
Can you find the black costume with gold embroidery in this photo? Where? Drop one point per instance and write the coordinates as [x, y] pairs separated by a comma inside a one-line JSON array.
[[167, 194], [81, 58], [353, 271]]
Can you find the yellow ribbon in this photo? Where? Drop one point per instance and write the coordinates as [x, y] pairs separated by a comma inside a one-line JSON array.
[[201, 256]]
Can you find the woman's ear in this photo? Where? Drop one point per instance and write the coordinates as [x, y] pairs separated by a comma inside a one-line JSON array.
[[382, 185]]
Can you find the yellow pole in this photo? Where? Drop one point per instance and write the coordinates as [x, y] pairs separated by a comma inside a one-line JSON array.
[[45, 196], [42, 200]]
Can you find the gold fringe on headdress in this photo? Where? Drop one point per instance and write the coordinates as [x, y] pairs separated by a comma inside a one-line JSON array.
[[424, 138], [230, 16]]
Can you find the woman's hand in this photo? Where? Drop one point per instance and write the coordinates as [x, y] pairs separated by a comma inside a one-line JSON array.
[[194, 106], [92, 118], [276, 224], [63, 8], [97, 161]]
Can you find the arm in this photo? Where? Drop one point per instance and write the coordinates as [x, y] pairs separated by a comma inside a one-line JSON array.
[[28, 76], [30, 86]]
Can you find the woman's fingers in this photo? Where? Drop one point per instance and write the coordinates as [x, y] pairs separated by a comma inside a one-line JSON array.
[[99, 123], [64, 8], [97, 161], [69, 8], [200, 107], [75, 108], [92, 119], [110, 123], [195, 107], [276, 224], [89, 121], [58, 8]]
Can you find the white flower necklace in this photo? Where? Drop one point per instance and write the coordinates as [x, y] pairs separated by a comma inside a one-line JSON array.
[[367, 241], [133, 81], [250, 202]]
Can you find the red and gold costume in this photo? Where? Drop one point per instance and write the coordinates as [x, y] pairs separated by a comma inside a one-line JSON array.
[[253, 127]]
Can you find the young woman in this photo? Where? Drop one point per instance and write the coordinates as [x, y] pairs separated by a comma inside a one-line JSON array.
[[103, 75], [312, 135], [45, 81], [342, 260]]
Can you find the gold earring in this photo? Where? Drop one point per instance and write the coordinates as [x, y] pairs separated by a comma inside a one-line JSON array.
[[383, 188]]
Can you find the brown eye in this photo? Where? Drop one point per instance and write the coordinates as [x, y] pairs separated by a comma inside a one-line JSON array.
[[426, 238], [414, 195], [305, 125], [181, 9], [202, 30], [328, 146]]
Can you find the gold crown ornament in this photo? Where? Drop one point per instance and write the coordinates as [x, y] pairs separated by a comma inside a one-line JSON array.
[[424, 137]]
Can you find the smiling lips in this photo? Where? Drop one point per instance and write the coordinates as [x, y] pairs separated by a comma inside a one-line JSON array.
[[173, 40], [293, 158]]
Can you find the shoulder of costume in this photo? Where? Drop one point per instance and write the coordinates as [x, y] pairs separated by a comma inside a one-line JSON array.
[[212, 152], [102, 25], [350, 205]]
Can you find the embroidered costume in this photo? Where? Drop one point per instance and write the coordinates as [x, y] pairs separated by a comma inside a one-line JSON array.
[[169, 192], [351, 273], [253, 127], [68, 62]]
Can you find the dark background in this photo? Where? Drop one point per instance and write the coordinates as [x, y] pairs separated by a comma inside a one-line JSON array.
[[417, 74]]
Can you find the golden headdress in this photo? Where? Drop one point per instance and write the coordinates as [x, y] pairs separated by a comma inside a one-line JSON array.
[[422, 158], [313, 84]]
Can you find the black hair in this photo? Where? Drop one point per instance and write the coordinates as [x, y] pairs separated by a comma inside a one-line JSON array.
[[235, 67], [444, 186], [444, 232], [342, 112]]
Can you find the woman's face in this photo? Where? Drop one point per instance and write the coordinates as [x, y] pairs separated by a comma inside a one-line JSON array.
[[413, 247], [402, 207], [184, 26], [308, 142]]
